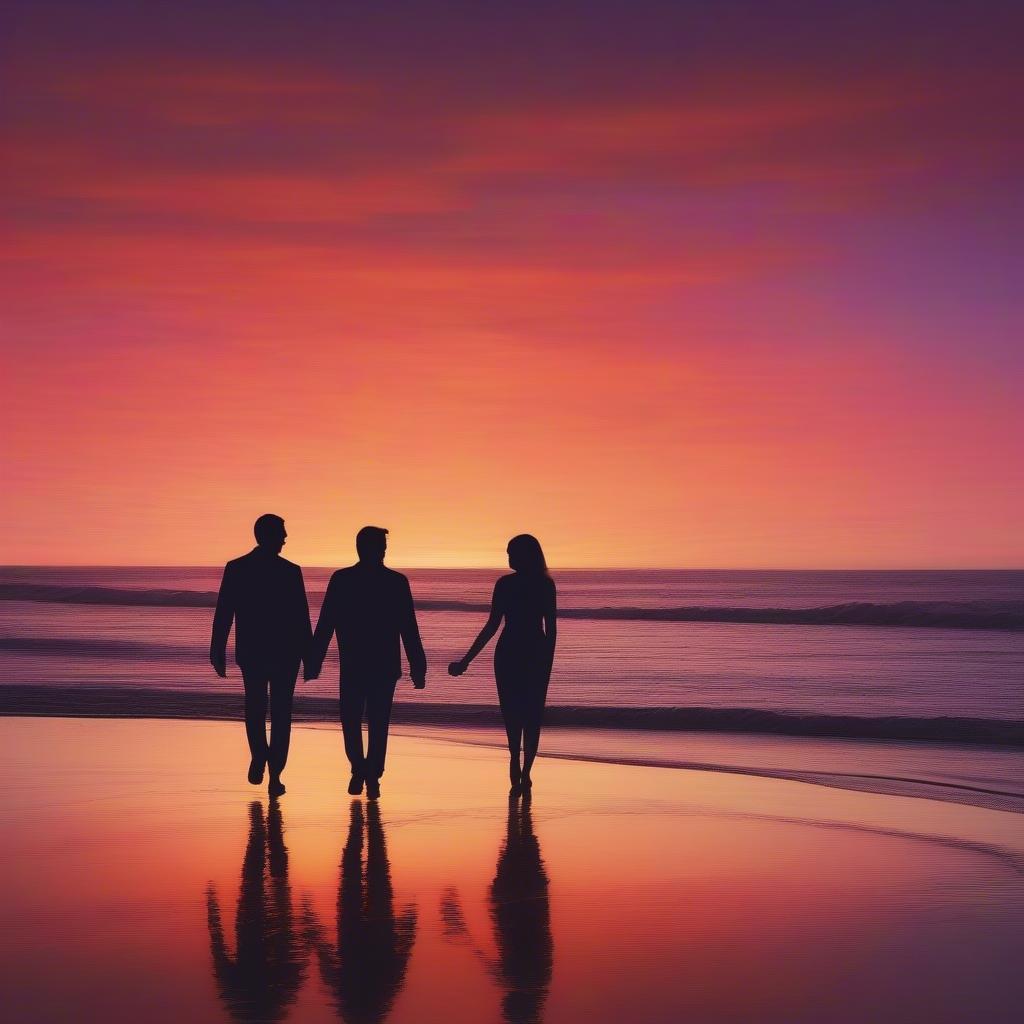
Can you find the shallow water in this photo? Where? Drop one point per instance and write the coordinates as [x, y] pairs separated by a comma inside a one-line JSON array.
[[791, 669]]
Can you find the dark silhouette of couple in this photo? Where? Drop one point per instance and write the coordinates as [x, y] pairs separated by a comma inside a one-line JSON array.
[[369, 608], [363, 968]]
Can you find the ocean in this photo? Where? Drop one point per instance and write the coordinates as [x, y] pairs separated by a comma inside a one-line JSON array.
[[649, 659]]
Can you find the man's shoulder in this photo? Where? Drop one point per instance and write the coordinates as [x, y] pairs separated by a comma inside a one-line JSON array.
[[360, 578], [258, 562]]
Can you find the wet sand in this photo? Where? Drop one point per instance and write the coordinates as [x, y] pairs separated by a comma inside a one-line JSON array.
[[144, 879]]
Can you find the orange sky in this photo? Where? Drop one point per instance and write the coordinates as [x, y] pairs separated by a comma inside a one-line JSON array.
[[751, 309]]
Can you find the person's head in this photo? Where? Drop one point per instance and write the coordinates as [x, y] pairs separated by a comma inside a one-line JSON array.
[[270, 532], [371, 543], [525, 555]]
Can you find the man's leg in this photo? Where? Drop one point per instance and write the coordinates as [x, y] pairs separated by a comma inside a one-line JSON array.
[[379, 699], [350, 706], [282, 691], [256, 681]]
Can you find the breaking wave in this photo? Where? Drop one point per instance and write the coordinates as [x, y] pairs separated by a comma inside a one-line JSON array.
[[138, 702], [1001, 615]]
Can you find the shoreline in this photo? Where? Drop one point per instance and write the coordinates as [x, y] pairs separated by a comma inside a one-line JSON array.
[[941, 790], [62, 701], [989, 776]]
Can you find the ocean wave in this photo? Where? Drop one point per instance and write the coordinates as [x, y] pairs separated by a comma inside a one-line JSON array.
[[989, 614], [97, 647], [56, 593], [139, 702]]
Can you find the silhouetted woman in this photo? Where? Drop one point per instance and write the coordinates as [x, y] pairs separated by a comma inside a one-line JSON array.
[[525, 599]]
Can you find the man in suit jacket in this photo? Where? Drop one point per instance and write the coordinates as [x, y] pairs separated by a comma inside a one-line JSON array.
[[264, 595], [370, 608]]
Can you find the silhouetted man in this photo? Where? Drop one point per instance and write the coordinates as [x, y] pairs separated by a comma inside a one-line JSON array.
[[265, 596], [369, 607]]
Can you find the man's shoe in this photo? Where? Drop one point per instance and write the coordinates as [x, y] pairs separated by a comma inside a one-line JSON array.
[[355, 784], [256, 771], [372, 789], [276, 788]]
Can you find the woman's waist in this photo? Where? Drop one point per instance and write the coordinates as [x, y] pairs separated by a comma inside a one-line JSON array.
[[534, 636]]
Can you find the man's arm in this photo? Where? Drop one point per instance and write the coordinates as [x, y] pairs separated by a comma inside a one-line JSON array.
[[411, 639], [222, 619], [325, 626]]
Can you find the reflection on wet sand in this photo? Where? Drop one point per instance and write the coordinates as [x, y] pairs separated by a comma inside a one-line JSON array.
[[521, 917], [260, 982], [365, 969], [803, 904]]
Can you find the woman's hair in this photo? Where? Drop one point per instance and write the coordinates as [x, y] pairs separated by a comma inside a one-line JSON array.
[[525, 555]]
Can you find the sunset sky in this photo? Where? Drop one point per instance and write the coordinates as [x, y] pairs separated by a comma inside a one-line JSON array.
[[711, 284]]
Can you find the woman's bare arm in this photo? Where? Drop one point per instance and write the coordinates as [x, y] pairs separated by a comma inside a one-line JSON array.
[[551, 620], [484, 637]]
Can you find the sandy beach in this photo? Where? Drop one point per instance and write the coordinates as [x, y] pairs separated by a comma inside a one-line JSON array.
[[147, 880]]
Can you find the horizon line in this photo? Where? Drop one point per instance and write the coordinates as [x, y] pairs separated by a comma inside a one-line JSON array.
[[559, 568]]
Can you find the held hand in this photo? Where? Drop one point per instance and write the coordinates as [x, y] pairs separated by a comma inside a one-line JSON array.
[[219, 666], [456, 668], [310, 672], [419, 682]]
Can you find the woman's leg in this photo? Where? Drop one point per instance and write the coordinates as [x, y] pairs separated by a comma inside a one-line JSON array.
[[531, 727], [515, 739], [512, 717], [514, 732], [531, 741]]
